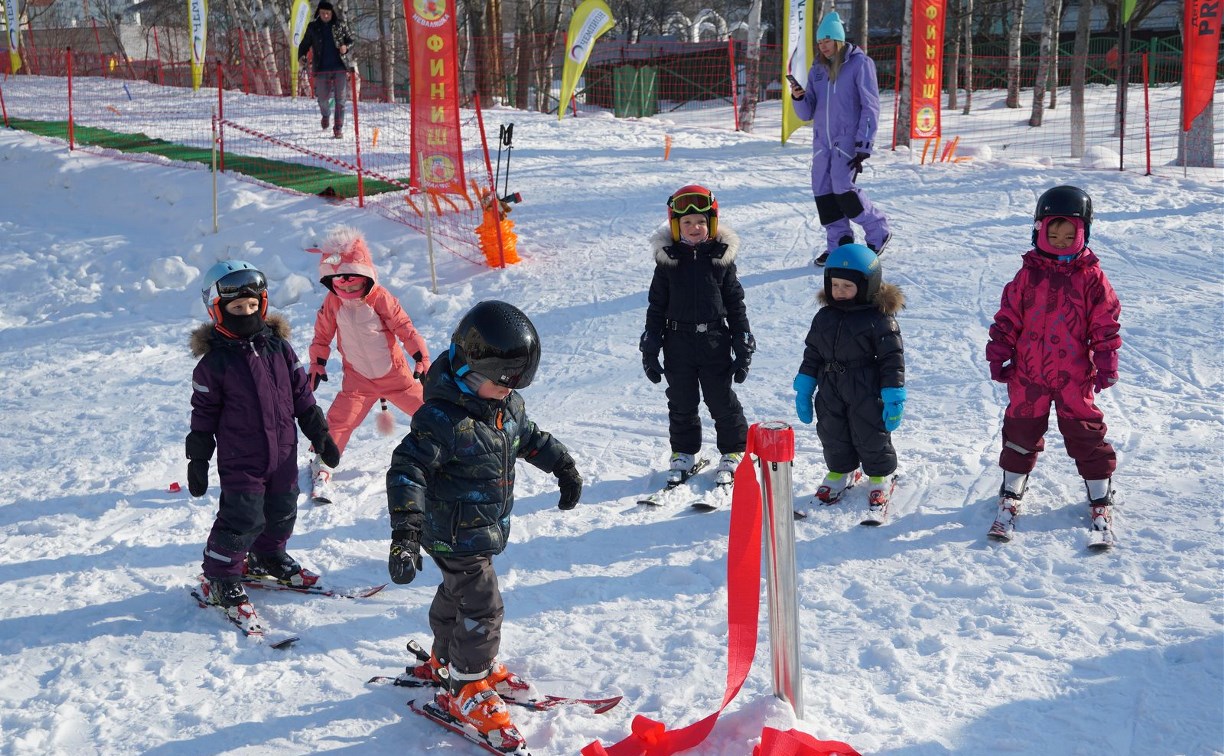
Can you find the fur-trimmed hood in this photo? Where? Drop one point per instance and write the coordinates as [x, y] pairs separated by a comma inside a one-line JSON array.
[[662, 239], [889, 299], [203, 337]]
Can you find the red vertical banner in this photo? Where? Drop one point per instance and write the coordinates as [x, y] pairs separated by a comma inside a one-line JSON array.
[[1199, 51], [433, 70], [926, 68]]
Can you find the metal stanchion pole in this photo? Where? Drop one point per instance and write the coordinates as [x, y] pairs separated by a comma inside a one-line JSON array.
[[775, 449]]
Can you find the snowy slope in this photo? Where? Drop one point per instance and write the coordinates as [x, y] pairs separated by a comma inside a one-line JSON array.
[[918, 638]]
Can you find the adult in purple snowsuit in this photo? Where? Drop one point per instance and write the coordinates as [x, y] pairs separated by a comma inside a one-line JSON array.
[[248, 388], [842, 101]]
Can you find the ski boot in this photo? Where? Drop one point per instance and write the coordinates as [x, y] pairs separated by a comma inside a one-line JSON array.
[[724, 474], [280, 567], [681, 468], [1100, 512], [510, 686], [475, 704], [835, 484], [1010, 494], [431, 672], [878, 497], [226, 594]]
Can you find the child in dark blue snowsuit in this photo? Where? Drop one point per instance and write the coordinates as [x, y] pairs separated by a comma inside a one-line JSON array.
[[853, 354]]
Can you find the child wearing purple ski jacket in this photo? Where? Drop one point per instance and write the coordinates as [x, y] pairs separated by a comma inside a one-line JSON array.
[[842, 100]]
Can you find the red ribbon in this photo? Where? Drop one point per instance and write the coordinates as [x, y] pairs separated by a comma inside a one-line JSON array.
[[651, 738]]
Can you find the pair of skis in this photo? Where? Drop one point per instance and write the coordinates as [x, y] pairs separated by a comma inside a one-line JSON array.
[[678, 492], [1101, 537], [247, 620], [504, 741]]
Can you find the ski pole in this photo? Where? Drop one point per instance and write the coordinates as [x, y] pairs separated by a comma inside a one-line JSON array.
[[508, 140], [501, 139]]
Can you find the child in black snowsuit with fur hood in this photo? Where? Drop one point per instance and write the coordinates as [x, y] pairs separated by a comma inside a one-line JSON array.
[[697, 318], [854, 355]]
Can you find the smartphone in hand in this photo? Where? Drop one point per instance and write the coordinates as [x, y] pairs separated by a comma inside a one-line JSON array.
[[794, 82]]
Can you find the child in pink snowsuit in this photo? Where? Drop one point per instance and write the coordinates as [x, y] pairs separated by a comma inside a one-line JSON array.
[[1055, 341], [368, 324]]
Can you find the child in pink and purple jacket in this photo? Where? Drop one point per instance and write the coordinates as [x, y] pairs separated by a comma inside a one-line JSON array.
[[1055, 341]]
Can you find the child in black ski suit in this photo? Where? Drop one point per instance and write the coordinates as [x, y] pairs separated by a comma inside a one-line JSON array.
[[248, 389], [854, 355], [450, 490], [697, 318]]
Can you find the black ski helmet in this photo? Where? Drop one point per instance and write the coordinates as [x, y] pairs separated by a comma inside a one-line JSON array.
[[498, 341], [1062, 202], [855, 263]]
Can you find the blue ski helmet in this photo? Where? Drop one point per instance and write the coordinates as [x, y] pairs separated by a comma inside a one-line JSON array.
[[231, 279], [856, 263]]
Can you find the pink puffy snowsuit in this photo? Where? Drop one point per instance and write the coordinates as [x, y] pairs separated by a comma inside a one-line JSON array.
[[366, 332], [1058, 324]]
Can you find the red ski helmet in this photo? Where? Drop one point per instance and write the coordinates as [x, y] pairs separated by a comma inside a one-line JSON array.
[[690, 199]]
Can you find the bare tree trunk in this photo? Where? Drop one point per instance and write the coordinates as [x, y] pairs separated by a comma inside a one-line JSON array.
[[1015, 19], [1049, 27], [524, 39], [903, 107], [493, 44], [1079, 71], [752, 68], [1197, 149], [968, 56], [386, 52], [544, 69], [952, 62], [858, 9], [1055, 53]]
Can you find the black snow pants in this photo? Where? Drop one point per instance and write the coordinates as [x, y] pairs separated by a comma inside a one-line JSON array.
[[466, 614], [698, 365]]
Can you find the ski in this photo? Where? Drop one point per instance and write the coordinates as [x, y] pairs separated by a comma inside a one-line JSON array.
[[719, 498], [269, 583], [410, 680], [244, 617], [1100, 532], [1002, 531], [877, 514], [668, 494], [511, 740]]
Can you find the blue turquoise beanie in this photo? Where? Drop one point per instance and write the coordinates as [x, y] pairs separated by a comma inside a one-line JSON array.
[[831, 28]]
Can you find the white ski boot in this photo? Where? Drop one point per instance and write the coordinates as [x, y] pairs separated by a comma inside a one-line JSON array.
[[1010, 494], [724, 474], [320, 482], [835, 484]]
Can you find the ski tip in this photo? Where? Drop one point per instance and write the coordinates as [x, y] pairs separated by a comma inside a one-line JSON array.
[[371, 591], [281, 643]]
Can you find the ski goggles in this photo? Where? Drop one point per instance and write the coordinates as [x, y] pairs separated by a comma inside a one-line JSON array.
[[691, 202], [241, 283], [349, 278]]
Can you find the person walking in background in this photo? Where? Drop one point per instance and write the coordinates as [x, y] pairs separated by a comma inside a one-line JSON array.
[[329, 39], [368, 325], [842, 100], [854, 355], [247, 389], [696, 317], [1055, 340]]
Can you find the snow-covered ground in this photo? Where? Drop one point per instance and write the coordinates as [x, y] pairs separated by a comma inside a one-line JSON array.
[[917, 639]]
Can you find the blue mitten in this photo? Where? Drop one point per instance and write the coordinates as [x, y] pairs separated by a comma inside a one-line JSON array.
[[894, 407], [805, 389]]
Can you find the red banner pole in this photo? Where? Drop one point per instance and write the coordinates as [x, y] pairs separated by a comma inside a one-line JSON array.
[[734, 90], [357, 141], [71, 141]]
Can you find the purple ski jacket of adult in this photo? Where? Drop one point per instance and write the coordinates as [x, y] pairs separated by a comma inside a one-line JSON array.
[[247, 393], [846, 112]]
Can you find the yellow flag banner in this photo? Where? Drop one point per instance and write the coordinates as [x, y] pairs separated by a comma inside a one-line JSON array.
[[197, 19], [12, 24], [299, 17], [797, 31], [591, 20]]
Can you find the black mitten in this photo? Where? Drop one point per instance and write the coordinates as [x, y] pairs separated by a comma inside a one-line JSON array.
[[200, 446], [649, 345], [327, 450], [404, 560], [743, 345], [570, 483], [197, 477]]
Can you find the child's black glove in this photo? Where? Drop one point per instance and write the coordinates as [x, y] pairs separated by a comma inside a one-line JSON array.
[[856, 163], [404, 561], [650, 344], [327, 450], [317, 373], [200, 446], [743, 345], [570, 483], [197, 477]]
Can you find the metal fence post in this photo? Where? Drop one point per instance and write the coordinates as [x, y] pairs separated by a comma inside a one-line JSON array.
[[774, 445]]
